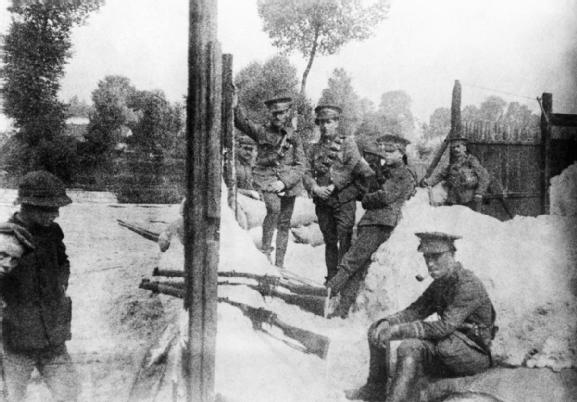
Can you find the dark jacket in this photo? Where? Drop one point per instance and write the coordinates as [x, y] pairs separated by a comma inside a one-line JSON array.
[[465, 178], [38, 312], [462, 304], [383, 207], [280, 155], [336, 161]]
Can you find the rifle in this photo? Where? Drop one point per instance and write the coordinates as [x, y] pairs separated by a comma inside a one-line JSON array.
[[147, 234], [312, 304], [264, 280], [312, 343]]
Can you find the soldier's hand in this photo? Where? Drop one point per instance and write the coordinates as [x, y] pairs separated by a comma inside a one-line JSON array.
[[323, 192], [163, 241], [338, 281], [423, 183], [375, 328], [20, 232], [277, 186]]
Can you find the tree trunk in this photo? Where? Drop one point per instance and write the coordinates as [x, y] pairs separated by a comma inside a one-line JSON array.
[[310, 63]]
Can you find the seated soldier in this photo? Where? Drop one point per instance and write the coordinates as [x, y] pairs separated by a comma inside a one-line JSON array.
[[465, 178], [457, 343], [244, 162]]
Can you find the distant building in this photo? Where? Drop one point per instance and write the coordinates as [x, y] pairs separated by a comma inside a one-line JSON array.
[[77, 127]]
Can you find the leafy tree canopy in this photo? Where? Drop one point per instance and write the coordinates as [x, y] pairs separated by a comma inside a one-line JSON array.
[[319, 26]]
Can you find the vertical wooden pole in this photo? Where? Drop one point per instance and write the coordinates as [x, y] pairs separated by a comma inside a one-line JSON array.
[[202, 207], [547, 110], [456, 125], [228, 130]]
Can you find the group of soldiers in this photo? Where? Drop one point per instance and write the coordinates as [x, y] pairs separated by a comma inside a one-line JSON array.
[[336, 176], [34, 267]]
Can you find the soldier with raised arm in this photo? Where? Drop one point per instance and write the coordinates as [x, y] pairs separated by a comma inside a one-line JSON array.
[[278, 170]]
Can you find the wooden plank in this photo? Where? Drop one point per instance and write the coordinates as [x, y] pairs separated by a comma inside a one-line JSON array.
[[547, 100], [201, 211], [228, 131], [561, 119]]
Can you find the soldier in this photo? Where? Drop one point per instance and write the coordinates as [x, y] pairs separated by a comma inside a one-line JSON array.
[[334, 177], [394, 185], [278, 170], [38, 313], [457, 343], [466, 179], [244, 162]]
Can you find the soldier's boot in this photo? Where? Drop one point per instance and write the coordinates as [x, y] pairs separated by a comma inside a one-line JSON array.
[[403, 385], [331, 259], [282, 236], [267, 234], [375, 388]]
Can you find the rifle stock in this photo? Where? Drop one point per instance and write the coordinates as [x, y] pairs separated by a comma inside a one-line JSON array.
[[313, 343]]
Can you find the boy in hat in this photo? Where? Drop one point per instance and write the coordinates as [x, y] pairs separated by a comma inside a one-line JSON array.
[[37, 316], [395, 184], [278, 170], [334, 177], [457, 343], [466, 179]]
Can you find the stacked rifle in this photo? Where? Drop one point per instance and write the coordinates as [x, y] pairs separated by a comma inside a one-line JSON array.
[[289, 287]]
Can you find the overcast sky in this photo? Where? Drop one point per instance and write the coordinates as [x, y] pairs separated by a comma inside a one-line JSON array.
[[515, 49]]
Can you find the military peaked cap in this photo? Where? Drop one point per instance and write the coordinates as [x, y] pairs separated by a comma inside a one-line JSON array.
[[326, 112], [459, 139], [436, 242], [279, 104], [394, 142], [42, 189]]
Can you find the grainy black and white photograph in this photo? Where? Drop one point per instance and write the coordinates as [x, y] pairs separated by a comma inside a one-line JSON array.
[[288, 200]]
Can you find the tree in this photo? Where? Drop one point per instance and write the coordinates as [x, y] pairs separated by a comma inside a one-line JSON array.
[[159, 122], [492, 109], [341, 93], [258, 82], [35, 51], [470, 113], [439, 123], [77, 107], [520, 116], [318, 26], [395, 107]]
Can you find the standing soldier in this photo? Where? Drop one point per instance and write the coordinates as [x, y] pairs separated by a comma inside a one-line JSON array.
[[38, 313], [394, 185], [334, 179], [278, 170], [466, 179], [457, 343]]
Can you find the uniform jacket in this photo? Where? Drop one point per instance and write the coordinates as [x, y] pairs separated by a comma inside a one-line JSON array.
[[462, 305], [465, 178], [280, 155], [336, 161], [243, 175], [38, 312], [383, 207]]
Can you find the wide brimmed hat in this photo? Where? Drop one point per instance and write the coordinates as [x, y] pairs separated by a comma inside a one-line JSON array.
[[42, 189]]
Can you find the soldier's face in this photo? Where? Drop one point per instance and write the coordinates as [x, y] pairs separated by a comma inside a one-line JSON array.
[[393, 156], [42, 216], [9, 261], [245, 152], [280, 118], [458, 149], [328, 127], [439, 265]]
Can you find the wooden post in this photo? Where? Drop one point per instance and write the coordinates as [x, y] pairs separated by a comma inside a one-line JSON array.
[[228, 131], [546, 111], [202, 207], [456, 128]]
